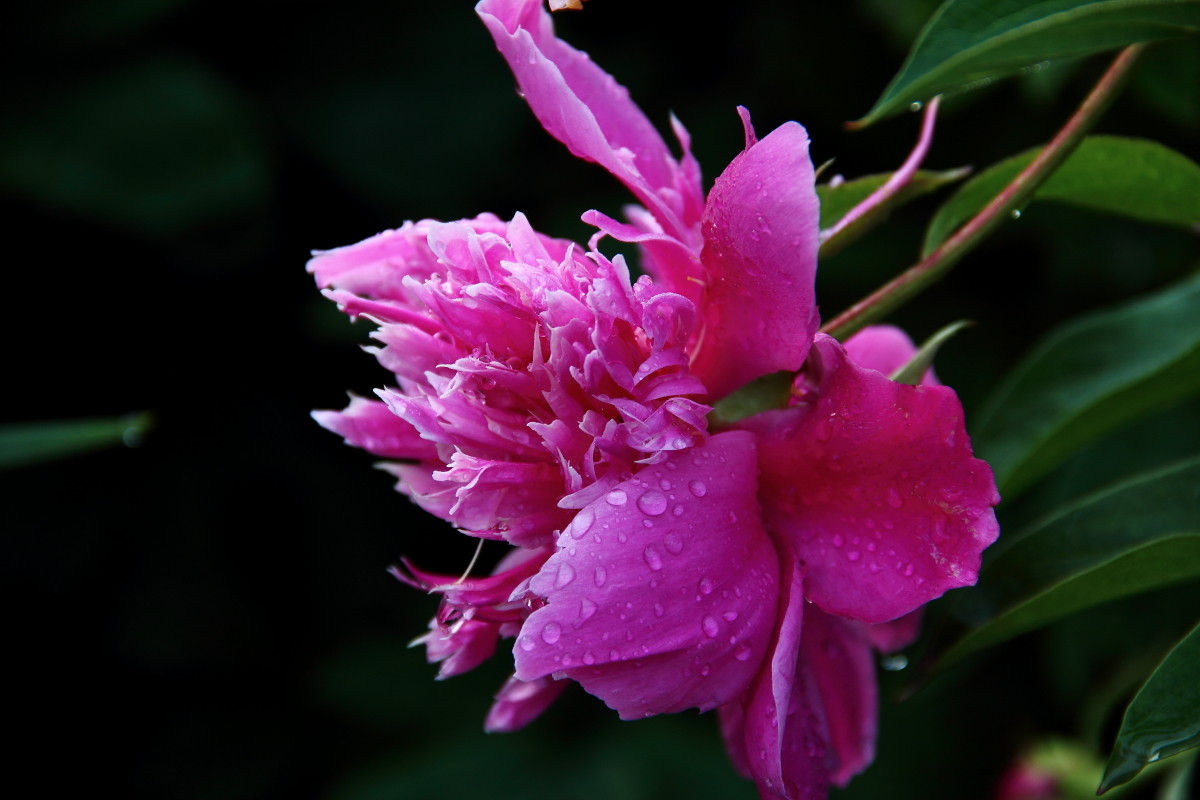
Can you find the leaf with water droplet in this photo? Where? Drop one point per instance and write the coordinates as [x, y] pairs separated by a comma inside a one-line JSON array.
[[33, 442], [1164, 716], [1134, 178], [970, 43]]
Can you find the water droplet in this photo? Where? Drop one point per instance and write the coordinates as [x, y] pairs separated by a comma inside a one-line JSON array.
[[659, 610], [854, 555], [653, 559], [588, 658], [652, 502], [706, 585], [666, 485], [647, 523], [697, 488], [893, 498], [586, 609], [677, 510], [527, 644], [1015, 213], [673, 543], [742, 652], [566, 574], [600, 576], [616, 497], [704, 670], [730, 616], [710, 626], [837, 540], [551, 632], [582, 523], [908, 570], [622, 537]]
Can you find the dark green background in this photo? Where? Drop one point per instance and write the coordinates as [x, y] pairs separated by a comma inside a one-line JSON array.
[[207, 617]]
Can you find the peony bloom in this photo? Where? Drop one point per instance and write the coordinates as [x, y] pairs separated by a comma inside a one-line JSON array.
[[545, 399]]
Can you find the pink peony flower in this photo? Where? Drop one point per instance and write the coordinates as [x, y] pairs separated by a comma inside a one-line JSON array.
[[545, 399]]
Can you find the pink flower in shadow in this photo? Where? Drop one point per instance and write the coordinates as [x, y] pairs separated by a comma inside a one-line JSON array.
[[544, 399]]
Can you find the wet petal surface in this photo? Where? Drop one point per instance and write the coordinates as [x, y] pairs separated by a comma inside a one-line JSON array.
[[662, 593]]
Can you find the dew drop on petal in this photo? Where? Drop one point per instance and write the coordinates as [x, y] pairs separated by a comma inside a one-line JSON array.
[[588, 658], [894, 662], [908, 570], [893, 498], [710, 626], [742, 652], [853, 555], [659, 610], [600, 575], [697, 488], [551, 632], [652, 502], [527, 644], [730, 616], [582, 523], [673, 543], [677, 510], [653, 559], [706, 585], [837, 540], [566, 574], [586, 609], [616, 497]]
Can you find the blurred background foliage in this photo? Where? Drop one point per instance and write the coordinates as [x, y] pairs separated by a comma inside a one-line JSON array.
[[207, 616]]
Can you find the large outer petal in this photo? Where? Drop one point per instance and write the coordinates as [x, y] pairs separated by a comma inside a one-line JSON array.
[[760, 261], [584, 108], [836, 655], [662, 594], [776, 733], [874, 485]]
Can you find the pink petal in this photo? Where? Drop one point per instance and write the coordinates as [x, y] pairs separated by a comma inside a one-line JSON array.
[[888, 637], [760, 260], [837, 655], [584, 108], [776, 732], [874, 485], [885, 349], [460, 648], [662, 593], [520, 703], [369, 424]]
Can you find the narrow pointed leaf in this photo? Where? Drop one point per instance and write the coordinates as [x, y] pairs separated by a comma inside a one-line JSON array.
[[1135, 178], [970, 43], [912, 372], [1164, 716], [838, 200], [1136, 536], [32, 442], [1088, 377]]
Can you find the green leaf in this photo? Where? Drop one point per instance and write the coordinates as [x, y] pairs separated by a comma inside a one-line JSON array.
[[1086, 378], [33, 442], [1136, 178], [1138, 535], [1164, 716], [161, 147], [970, 43], [912, 372], [838, 200]]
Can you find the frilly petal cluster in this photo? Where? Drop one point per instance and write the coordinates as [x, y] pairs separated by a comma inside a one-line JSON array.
[[544, 399]]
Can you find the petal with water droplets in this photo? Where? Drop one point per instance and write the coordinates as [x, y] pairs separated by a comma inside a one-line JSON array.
[[874, 485], [760, 261], [664, 609]]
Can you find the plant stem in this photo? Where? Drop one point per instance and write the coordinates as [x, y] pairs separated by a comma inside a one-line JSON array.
[[1011, 199]]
